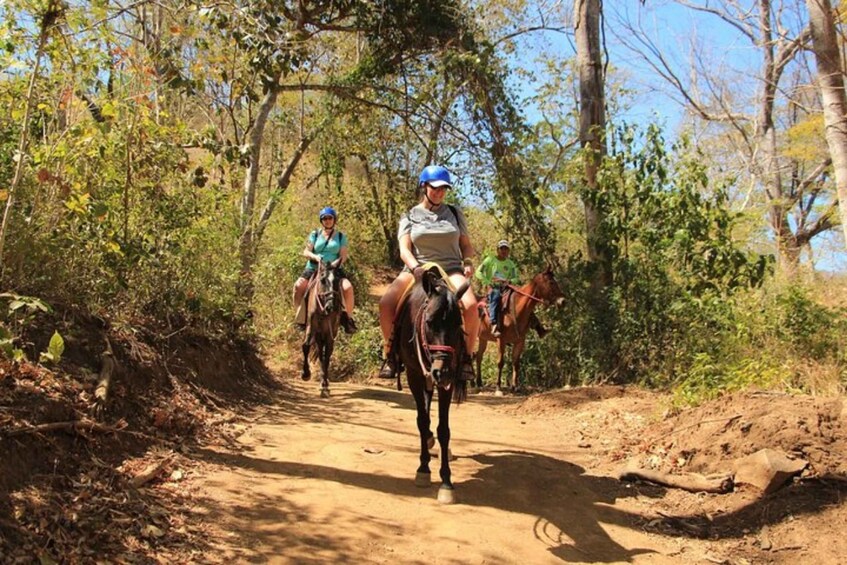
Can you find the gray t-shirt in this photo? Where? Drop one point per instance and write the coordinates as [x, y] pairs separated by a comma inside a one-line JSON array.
[[435, 235]]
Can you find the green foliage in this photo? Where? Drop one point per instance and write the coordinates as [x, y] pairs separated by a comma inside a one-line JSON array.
[[812, 329], [20, 314], [675, 269], [54, 350], [7, 345], [709, 377]]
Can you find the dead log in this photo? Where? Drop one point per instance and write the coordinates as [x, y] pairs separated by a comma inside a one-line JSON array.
[[149, 473], [692, 482], [73, 425], [108, 363]]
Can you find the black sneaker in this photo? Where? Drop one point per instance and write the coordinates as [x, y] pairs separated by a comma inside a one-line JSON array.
[[389, 370], [468, 373], [301, 327], [348, 323], [541, 330]]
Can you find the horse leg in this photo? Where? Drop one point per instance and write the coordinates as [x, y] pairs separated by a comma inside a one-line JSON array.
[[422, 403], [326, 354], [306, 374], [517, 351], [445, 493], [483, 343], [501, 350], [430, 439]]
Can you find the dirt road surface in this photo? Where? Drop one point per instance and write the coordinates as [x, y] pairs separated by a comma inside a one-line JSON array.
[[332, 481]]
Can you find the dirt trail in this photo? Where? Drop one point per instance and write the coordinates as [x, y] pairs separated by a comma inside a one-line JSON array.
[[317, 481]]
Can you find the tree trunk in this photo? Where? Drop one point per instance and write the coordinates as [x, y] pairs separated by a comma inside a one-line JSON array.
[[47, 22], [592, 127], [828, 59], [247, 249]]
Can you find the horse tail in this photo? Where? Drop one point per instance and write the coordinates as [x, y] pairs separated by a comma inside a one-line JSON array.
[[460, 391]]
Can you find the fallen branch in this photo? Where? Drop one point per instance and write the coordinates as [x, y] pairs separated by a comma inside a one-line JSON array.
[[692, 482], [101, 393], [73, 425], [149, 473]]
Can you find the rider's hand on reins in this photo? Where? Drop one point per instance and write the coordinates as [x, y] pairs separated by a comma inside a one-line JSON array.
[[418, 273]]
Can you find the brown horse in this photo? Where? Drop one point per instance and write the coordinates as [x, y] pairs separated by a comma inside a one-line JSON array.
[[323, 303], [517, 315], [430, 344]]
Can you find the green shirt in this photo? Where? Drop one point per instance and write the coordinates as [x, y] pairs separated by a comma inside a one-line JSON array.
[[493, 268]]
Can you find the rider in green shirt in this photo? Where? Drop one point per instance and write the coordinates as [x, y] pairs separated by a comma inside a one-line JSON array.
[[495, 272]]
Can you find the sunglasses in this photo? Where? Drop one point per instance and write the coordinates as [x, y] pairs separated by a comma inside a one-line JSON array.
[[443, 188], [327, 218]]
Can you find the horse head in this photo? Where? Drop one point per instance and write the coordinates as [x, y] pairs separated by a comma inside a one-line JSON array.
[[547, 289], [329, 289], [440, 332]]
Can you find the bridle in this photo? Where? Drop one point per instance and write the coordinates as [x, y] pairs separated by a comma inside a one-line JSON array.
[[321, 296], [427, 352]]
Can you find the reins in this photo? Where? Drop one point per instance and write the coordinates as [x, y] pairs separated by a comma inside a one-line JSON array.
[[522, 293]]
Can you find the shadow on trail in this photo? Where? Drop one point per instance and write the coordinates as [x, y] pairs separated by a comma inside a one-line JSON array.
[[570, 505]]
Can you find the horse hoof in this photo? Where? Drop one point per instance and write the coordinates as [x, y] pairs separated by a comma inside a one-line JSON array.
[[324, 393], [498, 392], [423, 480], [305, 376], [446, 495]]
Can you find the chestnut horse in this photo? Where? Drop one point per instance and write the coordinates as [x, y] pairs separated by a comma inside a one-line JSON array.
[[516, 316], [430, 343], [323, 316]]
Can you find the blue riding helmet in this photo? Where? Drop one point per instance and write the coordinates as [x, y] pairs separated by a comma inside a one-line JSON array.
[[328, 211], [435, 176]]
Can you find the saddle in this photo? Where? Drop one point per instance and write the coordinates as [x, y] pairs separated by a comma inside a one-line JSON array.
[[505, 296]]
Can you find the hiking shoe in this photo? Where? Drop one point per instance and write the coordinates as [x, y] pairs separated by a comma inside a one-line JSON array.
[[389, 370], [495, 331], [301, 327], [467, 373], [348, 323], [541, 330]]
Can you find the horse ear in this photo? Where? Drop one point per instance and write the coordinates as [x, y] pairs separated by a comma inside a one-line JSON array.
[[461, 291], [429, 282]]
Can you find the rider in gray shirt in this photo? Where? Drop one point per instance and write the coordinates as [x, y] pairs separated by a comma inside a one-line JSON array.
[[434, 235], [433, 231]]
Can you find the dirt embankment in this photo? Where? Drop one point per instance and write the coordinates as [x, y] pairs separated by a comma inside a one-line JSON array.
[[81, 480]]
